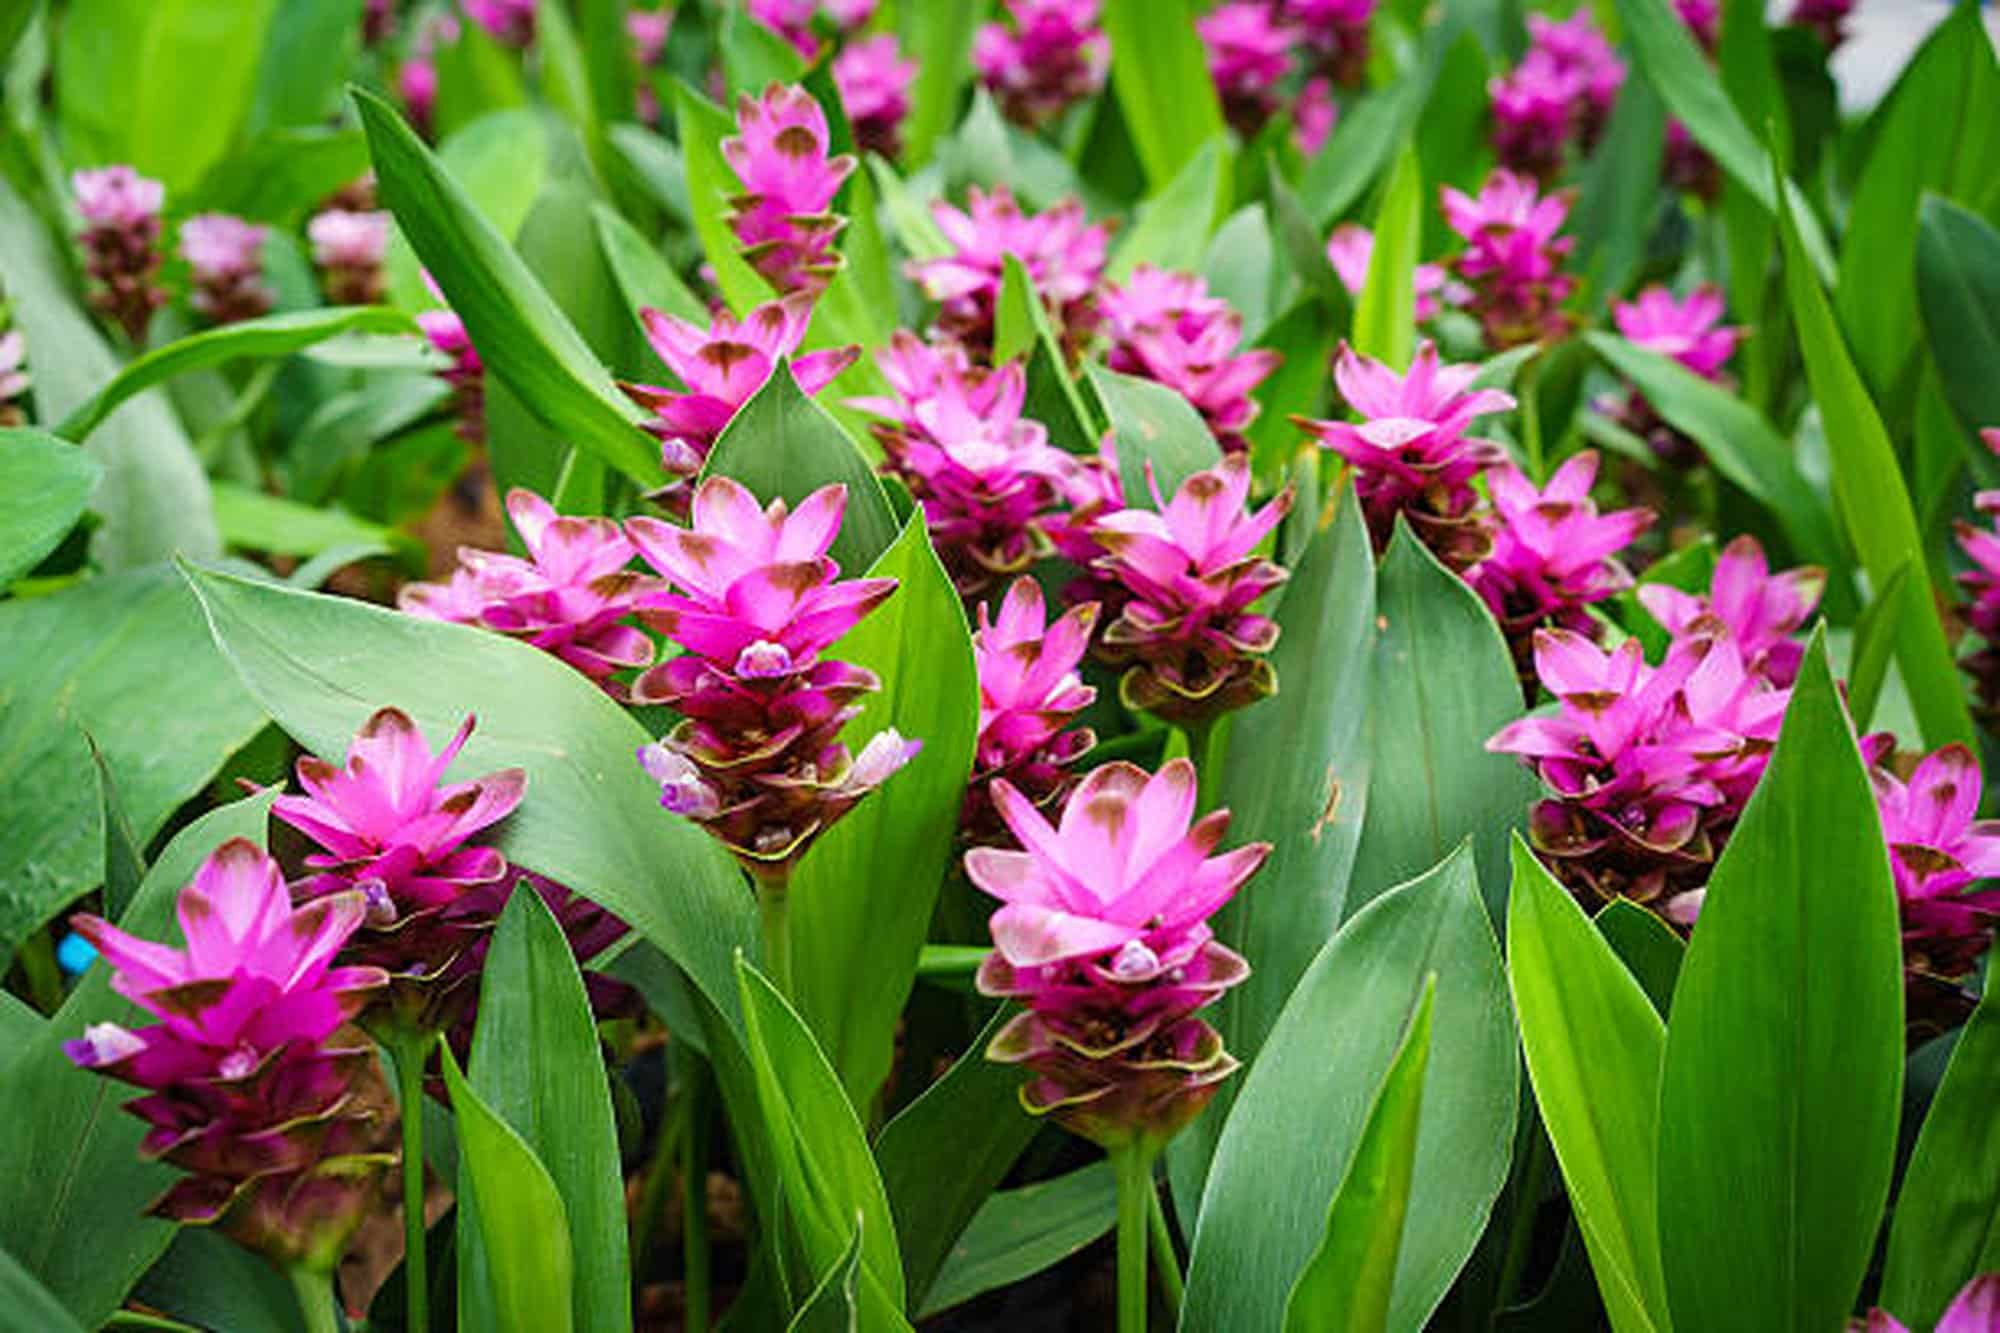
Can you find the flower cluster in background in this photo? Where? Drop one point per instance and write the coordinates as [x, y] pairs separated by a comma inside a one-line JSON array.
[[1050, 55], [784, 219], [121, 244], [225, 257]]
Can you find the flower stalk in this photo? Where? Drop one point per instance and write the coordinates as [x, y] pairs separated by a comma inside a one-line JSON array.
[[409, 1048], [1132, 1164], [774, 907], [314, 1289]]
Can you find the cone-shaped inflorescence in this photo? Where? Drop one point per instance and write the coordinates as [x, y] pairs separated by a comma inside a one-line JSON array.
[[1512, 261], [121, 244], [1249, 55], [225, 257], [1762, 611], [1688, 329], [1982, 582], [1166, 327], [465, 373], [1053, 56], [1029, 694], [1061, 251], [784, 218], [348, 246], [1336, 34], [874, 82]]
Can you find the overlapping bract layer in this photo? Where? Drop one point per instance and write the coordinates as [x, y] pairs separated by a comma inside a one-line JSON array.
[[121, 243], [348, 247], [1982, 582], [1976, 1308], [1053, 56], [466, 373], [874, 82], [1553, 554], [1061, 251], [1029, 694], [1249, 54], [225, 257], [784, 217], [1336, 31], [1513, 257], [1561, 93], [1691, 331], [1166, 327], [1761, 611]]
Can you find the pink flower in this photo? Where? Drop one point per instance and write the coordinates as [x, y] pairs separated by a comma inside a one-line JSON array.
[[1687, 165], [571, 597], [1513, 258], [1828, 19], [1190, 571], [1060, 249], [1410, 451], [793, 19], [13, 376], [417, 85], [1091, 489], [1688, 330], [723, 367], [1534, 112], [466, 374], [1104, 938], [1552, 551], [349, 248], [1166, 327], [1029, 691], [278, 1114], [119, 198], [510, 21], [648, 29], [1337, 30], [758, 759], [1351, 247], [1314, 115], [378, 21], [120, 239], [1982, 582], [1054, 56], [1249, 54], [1976, 1308], [225, 257], [874, 82], [783, 218], [1575, 47], [1761, 611], [1703, 18]]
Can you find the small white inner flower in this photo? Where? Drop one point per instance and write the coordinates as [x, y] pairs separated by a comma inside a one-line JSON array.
[[1134, 962]]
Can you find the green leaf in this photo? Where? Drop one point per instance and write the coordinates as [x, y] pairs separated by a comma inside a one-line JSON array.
[[1594, 1044], [476, 77], [1648, 947], [1443, 683], [1021, 327], [1868, 491], [1020, 1232], [833, 1306], [1779, 1100], [310, 46], [1240, 266], [710, 184], [607, 52], [518, 1211], [1159, 73], [124, 855], [1875, 644], [502, 161], [1268, 1194], [45, 483], [284, 173], [1161, 439], [1958, 285], [251, 520], [1175, 221], [753, 56], [1385, 315], [1620, 191], [535, 1065], [1946, 1227], [1306, 337], [939, 39], [100, 652], [69, 1162], [521, 333], [210, 1281], [161, 84], [29, 1304], [1372, 129], [1350, 1278], [644, 277], [915, 229]]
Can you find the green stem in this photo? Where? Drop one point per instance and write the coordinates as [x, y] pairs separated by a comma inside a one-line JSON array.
[[773, 913], [1206, 742], [1521, 1227], [1133, 1167], [662, 1174], [1531, 415], [694, 1137], [410, 1050], [1166, 1264], [314, 1289]]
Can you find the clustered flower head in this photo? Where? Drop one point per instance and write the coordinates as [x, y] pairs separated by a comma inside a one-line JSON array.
[[417, 76], [1060, 249], [793, 19], [571, 597], [13, 377], [1982, 581], [1314, 114], [985, 475], [755, 602], [509, 21], [1249, 54], [1688, 329], [1104, 939], [648, 29], [1762, 611], [1825, 18], [1410, 451], [1337, 33], [255, 1085], [723, 367], [348, 247], [1560, 94], [466, 373], [1512, 261], [1029, 693], [391, 830], [1349, 250], [874, 82], [121, 244], [1976, 1308], [784, 219], [1190, 573], [1166, 327], [225, 257], [1054, 56], [378, 21]]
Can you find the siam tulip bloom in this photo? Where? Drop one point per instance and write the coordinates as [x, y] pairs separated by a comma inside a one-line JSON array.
[[1762, 612], [783, 218], [511, 22], [874, 82], [1552, 551], [1938, 849], [1104, 939], [1687, 166], [648, 29], [1512, 260], [13, 377], [793, 19], [1410, 452], [1575, 47], [120, 239], [758, 758], [1165, 327], [1249, 54], [1062, 252], [571, 597], [1826, 18], [1029, 691], [1534, 114], [225, 257], [1976, 1308], [349, 248], [388, 827], [255, 1085], [1054, 56], [417, 85], [1314, 114], [1337, 31], [723, 367], [1092, 488], [1190, 572], [466, 374], [1691, 332], [985, 475], [1982, 547], [1351, 247]]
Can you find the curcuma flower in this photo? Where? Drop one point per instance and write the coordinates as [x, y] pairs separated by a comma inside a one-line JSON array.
[[254, 1084], [1575, 47], [348, 246], [1104, 939], [874, 82], [571, 597], [1166, 327], [225, 257], [1062, 253], [121, 244], [387, 826], [793, 19], [758, 758], [784, 219], [1982, 582], [1410, 451], [1190, 573], [1760, 610], [466, 374], [1054, 56], [1534, 115], [1976, 1308], [1690, 331], [1029, 692], [1337, 33], [1512, 261], [1249, 54], [1351, 247], [509, 21], [723, 367], [1314, 114]]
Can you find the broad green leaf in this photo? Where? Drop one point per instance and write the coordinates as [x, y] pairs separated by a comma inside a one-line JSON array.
[[1240, 266], [1161, 439], [834, 1306], [535, 1065], [29, 1304], [251, 520], [45, 484], [753, 56], [1875, 643], [1385, 314], [1869, 494], [124, 855], [476, 77], [1443, 683], [1350, 1278], [1648, 947], [565, 78], [282, 174], [858, 307], [1958, 287], [1174, 223], [939, 39], [914, 227], [521, 333], [1304, 246], [1372, 129], [1268, 1193], [607, 52], [1159, 73], [309, 48], [518, 1211], [1022, 328], [1306, 337], [1594, 1044], [69, 1162], [1614, 208], [96, 655], [161, 84], [710, 184], [1454, 136], [1020, 1232], [1781, 1091], [502, 161], [1946, 1227], [644, 276], [210, 1281]]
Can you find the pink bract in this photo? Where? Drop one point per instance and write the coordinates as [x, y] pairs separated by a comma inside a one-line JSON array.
[[225, 257], [1349, 250], [1976, 1308], [1939, 848], [1690, 329], [1053, 56], [120, 240], [783, 219], [1165, 327], [1553, 553], [1513, 257], [1761, 611], [1062, 253], [509, 21], [1249, 54], [874, 82], [1029, 691]]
